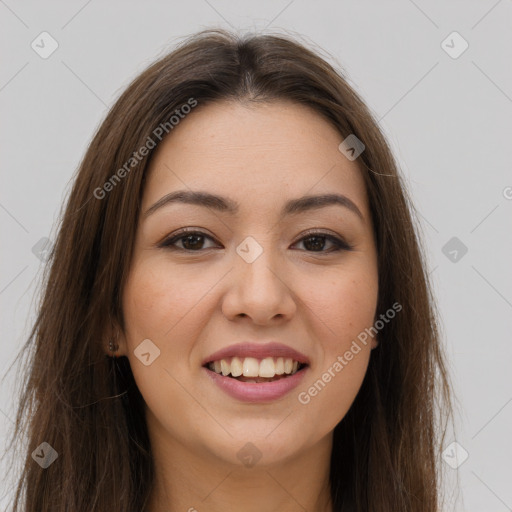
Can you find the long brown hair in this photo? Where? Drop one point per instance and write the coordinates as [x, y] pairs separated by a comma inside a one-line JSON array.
[[87, 406]]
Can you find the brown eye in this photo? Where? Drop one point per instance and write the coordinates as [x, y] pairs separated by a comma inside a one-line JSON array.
[[315, 242], [191, 241]]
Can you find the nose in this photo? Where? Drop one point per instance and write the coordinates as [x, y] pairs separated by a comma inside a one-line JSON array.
[[259, 290]]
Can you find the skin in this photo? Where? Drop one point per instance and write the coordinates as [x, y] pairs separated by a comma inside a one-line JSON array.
[[191, 304]]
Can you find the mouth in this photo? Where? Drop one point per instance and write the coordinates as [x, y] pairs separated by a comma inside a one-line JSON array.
[[251, 369]]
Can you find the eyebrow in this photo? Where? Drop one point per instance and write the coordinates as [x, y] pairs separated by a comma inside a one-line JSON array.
[[226, 205]]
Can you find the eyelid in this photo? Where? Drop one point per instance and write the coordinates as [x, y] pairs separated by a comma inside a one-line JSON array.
[[185, 231], [339, 242]]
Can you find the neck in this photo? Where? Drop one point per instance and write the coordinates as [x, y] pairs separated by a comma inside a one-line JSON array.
[[189, 480]]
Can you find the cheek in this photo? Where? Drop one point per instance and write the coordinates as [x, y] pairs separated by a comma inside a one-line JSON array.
[[163, 307], [156, 300], [343, 309], [166, 308], [345, 305]]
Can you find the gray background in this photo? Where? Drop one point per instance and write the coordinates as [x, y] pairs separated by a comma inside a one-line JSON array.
[[447, 119]]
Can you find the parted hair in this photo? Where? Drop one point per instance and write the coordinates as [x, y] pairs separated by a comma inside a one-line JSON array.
[[87, 406]]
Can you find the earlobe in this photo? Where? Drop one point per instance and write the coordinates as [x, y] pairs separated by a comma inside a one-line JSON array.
[[113, 347], [375, 343], [113, 343]]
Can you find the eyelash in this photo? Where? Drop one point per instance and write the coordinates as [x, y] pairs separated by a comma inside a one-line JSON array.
[[339, 244]]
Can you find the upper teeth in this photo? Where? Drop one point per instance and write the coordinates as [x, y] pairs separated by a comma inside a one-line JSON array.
[[252, 367]]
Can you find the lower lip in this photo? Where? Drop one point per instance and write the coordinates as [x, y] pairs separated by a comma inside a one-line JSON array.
[[257, 391]]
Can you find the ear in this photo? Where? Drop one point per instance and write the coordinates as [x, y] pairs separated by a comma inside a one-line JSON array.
[[375, 342], [114, 342]]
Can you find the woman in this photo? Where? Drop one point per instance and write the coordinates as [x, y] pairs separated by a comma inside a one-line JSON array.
[[239, 244]]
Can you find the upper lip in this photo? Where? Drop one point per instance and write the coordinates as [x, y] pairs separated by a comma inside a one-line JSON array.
[[258, 351]]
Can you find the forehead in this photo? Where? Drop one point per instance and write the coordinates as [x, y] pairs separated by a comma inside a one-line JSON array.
[[259, 154]]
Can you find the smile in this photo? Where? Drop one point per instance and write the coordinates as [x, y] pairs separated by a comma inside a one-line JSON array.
[[252, 380], [251, 369]]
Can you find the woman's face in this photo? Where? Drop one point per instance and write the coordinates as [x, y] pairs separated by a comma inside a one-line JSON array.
[[258, 273]]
